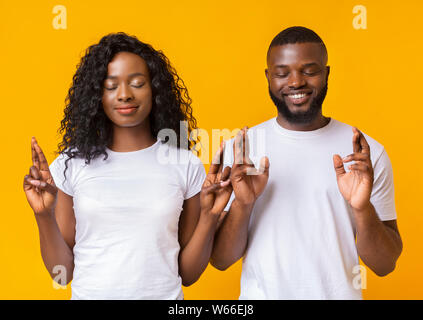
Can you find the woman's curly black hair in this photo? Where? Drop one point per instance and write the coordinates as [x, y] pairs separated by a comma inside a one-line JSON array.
[[87, 130]]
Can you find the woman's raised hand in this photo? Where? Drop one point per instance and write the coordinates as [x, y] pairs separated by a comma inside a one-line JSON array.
[[217, 188], [39, 186]]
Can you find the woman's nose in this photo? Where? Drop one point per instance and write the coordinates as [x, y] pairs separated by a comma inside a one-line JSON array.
[[124, 93]]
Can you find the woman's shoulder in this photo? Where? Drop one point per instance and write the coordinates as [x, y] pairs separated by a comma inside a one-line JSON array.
[[67, 159], [64, 169], [191, 170], [176, 155]]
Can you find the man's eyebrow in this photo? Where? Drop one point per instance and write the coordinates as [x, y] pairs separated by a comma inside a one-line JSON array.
[[130, 76], [311, 64]]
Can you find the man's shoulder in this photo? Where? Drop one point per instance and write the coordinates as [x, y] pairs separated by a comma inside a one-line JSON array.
[[258, 127], [263, 129], [263, 125], [342, 129]]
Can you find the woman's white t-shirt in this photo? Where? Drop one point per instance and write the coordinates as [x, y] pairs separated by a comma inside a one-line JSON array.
[[127, 210]]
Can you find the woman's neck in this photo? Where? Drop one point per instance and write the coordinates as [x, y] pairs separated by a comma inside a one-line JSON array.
[[127, 139]]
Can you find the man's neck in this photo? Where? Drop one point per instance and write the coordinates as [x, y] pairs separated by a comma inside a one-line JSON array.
[[319, 122]]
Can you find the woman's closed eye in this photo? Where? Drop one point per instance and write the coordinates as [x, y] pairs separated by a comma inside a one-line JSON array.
[[134, 85]]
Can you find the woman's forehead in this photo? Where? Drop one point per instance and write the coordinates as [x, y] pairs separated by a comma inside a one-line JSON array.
[[125, 63]]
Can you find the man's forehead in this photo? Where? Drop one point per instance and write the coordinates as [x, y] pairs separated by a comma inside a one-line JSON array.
[[304, 53]]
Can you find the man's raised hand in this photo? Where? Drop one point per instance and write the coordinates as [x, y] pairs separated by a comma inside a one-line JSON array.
[[248, 183], [355, 185]]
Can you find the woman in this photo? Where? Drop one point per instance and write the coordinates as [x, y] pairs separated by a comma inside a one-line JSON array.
[[118, 221]]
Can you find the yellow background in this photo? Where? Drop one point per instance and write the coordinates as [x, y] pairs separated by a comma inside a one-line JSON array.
[[219, 49]]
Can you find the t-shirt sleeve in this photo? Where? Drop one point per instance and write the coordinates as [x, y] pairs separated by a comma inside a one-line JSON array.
[[383, 197], [195, 176], [57, 168]]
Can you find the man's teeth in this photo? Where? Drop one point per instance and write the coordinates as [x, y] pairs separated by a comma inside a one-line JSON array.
[[297, 96]]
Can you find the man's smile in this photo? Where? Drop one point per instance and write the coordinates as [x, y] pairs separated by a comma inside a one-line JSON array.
[[298, 98]]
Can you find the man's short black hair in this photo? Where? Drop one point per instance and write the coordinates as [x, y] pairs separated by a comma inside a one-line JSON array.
[[296, 35]]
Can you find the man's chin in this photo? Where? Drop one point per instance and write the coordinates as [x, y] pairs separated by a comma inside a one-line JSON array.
[[299, 109], [299, 114]]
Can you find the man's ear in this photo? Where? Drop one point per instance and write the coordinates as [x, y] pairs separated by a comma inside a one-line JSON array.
[[327, 73], [266, 72]]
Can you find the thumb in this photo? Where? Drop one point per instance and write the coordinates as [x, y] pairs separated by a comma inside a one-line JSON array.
[[338, 165], [262, 174], [260, 180], [264, 166], [216, 186], [42, 185]]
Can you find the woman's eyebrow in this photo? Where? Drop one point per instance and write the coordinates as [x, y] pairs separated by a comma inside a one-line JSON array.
[[130, 76]]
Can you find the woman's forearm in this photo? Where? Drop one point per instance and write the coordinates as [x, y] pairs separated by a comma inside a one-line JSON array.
[[195, 256], [54, 250]]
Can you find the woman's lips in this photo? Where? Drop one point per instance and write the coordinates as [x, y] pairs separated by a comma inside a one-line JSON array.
[[127, 109]]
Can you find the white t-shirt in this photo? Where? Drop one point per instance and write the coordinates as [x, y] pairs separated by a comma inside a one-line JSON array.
[[301, 236], [127, 211]]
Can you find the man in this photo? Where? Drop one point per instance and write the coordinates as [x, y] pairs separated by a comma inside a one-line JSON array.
[[302, 237]]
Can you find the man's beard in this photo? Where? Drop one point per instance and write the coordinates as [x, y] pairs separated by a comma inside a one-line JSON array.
[[300, 117]]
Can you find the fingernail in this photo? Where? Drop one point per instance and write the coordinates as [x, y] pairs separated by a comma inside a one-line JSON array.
[[35, 183]]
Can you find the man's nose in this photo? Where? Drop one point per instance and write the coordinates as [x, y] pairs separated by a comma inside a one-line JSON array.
[[124, 93], [296, 80]]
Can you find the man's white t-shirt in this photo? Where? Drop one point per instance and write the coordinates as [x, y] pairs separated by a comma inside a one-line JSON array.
[[127, 210], [301, 236]]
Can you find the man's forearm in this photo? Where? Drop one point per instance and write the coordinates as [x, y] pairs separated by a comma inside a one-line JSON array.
[[378, 245], [231, 238]]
